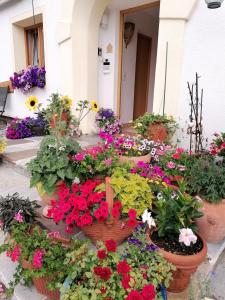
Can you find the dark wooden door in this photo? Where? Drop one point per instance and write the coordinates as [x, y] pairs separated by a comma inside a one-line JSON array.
[[142, 75]]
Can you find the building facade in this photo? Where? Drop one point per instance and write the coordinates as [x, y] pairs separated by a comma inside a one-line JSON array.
[[85, 55]]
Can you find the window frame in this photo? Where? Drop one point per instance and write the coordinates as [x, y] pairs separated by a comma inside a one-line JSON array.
[[40, 45]]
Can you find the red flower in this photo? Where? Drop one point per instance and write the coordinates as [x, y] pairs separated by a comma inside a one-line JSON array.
[[103, 290], [75, 188], [132, 213], [126, 282], [180, 150], [102, 254], [123, 267], [111, 245], [63, 191], [97, 270], [117, 204], [176, 156], [69, 229], [69, 219], [100, 215], [134, 295], [116, 213], [86, 219], [148, 292], [132, 223], [105, 273], [81, 203]]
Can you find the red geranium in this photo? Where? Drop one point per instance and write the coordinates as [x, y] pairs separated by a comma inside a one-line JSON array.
[[132, 213], [103, 272], [123, 267], [102, 254], [111, 245], [134, 295], [116, 213], [148, 292], [126, 282], [132, 223]]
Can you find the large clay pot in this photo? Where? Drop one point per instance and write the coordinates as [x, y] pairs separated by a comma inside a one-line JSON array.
[[41, 283], [186, 267], [157, 132], [212, 225], [55, 119], [135, 159]]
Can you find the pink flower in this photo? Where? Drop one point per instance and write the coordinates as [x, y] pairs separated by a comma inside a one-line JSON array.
[[37, 259], [79, 156], [1, 224], [187, 236], [170, 165], [54, 234], [181, 168], [16, 253], [132, 214], [2, 290], [180, 150], [18, 217], [108, 162]]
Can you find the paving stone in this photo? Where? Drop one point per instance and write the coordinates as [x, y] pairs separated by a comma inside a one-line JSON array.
[[20, 155]]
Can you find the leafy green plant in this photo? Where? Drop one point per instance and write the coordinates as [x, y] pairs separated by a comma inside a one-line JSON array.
[[12, 205], [53, 163], [132, 190], [142, 123], [174, 210], [45, 254], [119, 274], [207, 179]]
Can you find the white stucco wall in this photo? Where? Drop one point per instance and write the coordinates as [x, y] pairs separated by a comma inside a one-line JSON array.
[[204, 52], [8, 13], [147, 25]]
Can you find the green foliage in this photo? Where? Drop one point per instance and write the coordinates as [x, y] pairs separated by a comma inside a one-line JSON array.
[[142, 123], [132, 190], [57, 259], [207, 179], [11, 205], [147, 266], [53, 163], [174, 210]]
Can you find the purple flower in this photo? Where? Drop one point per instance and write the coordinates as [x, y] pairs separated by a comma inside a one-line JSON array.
[[134, 241], [151, 248]]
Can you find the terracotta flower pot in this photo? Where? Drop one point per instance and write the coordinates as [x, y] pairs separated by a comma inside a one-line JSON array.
[[135, 159], [55, 119], [212, 225], [41, 283], [186, 266], [46, 198], [157, 132]]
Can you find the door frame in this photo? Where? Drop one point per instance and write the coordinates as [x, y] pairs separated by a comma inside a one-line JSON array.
[[149, 68], [120, 49]]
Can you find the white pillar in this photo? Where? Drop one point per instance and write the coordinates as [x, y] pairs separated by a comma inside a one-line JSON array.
[[173, 18]]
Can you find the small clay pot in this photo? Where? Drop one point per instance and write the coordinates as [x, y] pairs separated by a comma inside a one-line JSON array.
[[157, 132], [212, 225], [135, 159], [186, 266]]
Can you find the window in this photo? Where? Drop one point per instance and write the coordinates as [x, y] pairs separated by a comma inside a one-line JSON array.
[[34, 44]]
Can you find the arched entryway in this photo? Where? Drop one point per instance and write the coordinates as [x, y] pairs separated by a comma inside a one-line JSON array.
[[77, 36]]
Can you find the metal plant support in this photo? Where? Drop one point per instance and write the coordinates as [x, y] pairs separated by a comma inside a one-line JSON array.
[[195, 126]]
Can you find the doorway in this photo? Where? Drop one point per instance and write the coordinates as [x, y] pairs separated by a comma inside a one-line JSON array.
[[137, 62], [142, 73]]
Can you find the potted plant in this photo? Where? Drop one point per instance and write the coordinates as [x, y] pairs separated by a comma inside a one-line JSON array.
[[95, 162], [18, 129], [206, 180], [156, 127], [92, 208], [106, 121], [130, 149], [175, 215], [26, 79], [41, 258], [217, 146], [52, 165], [14, 208], [137, 271]]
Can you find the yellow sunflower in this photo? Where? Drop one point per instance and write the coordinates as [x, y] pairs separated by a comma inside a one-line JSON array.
[[32, 103], [67, 101], [94, 106]]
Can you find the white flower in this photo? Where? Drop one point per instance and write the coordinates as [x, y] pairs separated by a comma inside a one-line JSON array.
[[153, 152], [146, 217], [187, 237], [76, 180], [160, 196]]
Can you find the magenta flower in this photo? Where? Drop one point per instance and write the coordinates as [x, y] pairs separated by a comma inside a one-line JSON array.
[[79, 156], [170, 165], [18, 217], [16, 254], [108, 162], [37, 259]]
